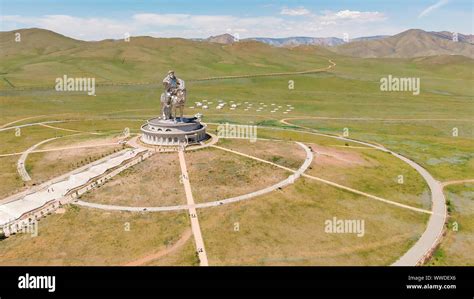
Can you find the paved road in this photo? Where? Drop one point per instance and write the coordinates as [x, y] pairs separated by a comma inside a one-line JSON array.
[[20, 165], [434, 230], [414, 256], [201, 250], [331, 183], [54, 189], [367, 194], [281, 184]]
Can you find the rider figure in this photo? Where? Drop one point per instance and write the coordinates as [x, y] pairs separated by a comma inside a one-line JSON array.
[[174, 87], [170, 83]]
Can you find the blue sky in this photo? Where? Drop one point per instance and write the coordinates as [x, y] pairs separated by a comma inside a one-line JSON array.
[[95, 20]]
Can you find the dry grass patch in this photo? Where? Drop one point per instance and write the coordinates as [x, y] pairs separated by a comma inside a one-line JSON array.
[[371, 171], [288, 228], [43, 166], [288, 154], [10, 179], [83, 236], [216, 174], [154, 182], [184, 256]]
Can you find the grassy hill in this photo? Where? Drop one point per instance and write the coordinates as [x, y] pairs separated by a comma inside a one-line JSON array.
[[346, 97], [411, 43], [42, 56]]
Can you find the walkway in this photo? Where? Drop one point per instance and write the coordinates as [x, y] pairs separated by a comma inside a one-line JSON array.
[[200, 249], [434, 230], [56, 190], [20, 165], [288, 181]]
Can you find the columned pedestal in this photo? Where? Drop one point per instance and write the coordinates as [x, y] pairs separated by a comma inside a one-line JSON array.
[[173, 132]]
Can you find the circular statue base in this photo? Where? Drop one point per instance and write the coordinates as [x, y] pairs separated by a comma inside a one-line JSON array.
[[182, 131]]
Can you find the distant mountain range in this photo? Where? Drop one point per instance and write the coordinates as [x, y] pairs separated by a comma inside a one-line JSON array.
[[222, 39], [408, 44], [307, 41], [299, 41]]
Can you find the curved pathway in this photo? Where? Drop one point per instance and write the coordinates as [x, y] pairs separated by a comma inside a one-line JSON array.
[[20, 165], [331, 183], [434, 230], [286, 182], [413, 256], [59, 187], [61, 149]]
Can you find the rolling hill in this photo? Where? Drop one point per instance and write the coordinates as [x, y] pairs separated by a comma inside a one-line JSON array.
[[408, 44], [222, 39], [43, 55]]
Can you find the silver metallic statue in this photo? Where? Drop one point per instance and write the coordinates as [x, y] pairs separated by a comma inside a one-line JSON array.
[[173, 98]]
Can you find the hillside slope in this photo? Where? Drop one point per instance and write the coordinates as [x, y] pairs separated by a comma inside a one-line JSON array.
[[408, 44], [42, 56]]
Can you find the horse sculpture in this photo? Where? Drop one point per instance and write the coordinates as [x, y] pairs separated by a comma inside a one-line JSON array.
[[172, 99], [178, 101]]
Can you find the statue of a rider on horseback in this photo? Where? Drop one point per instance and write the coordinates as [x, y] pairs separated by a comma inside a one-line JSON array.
[[173, 98]]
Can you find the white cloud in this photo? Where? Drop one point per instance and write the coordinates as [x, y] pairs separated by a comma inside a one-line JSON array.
[[298, 11], [433, 7], [163, 19], [194, 26], [353, 15]]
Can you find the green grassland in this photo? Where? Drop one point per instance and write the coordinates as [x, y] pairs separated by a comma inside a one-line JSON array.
[[458, 244], [43, 166], [46, 165], [283, 227], [142, 59], [83, 236], [430, 143], [288, 228]]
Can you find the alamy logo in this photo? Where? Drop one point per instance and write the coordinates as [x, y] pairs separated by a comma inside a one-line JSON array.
[[400, 84], [28, 281], [345, 226], [75, 84], [237, 131]]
